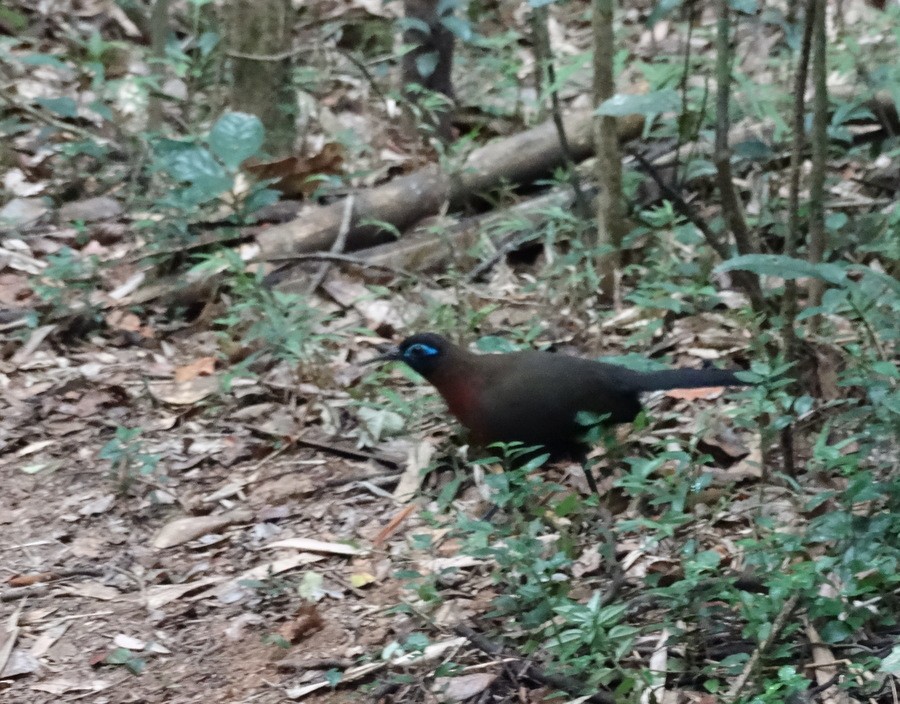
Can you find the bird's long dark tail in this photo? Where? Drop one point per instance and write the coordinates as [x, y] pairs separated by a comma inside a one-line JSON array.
[[686, 379]]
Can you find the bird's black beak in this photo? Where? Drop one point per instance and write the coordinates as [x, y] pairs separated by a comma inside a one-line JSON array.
[[389, 353]]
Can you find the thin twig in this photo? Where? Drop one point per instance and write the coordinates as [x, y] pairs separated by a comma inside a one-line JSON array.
[[275, 276], [544, 56], [337, 246], [735, 691]]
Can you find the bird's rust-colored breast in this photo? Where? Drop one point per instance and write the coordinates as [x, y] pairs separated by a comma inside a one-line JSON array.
[[462, 398]]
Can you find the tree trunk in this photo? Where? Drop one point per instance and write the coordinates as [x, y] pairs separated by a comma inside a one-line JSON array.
[[259, 40]]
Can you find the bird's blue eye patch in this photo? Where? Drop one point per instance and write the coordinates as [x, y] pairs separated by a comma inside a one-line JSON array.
[[419, 350]]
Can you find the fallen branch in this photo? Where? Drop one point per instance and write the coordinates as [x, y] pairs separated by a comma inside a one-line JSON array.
[[402, 202], [734, 692]]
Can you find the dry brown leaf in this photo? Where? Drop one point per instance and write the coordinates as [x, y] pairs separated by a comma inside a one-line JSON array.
[[417, 461], [183, 530], [296, 175], [459, 689], [185, 393], [9, 634], [707, 392], [588, 562], [394, 524], [205, 366], [161, 594], [123, 320], [45, 640], [306, 621], [92, 590], [311, 545]]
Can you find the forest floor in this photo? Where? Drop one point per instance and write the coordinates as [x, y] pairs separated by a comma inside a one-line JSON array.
[[188, 516]]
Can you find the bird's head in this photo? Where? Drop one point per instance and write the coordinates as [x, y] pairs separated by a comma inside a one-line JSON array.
[[425, 353]]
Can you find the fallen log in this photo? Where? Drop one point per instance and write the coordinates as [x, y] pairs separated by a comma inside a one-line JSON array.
[[424, 250], [404, 201]]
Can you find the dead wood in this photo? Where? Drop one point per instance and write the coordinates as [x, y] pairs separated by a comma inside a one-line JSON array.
[[424, 249], [403, 202]]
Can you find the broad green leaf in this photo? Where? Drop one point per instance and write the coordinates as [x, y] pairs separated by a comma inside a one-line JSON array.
[[42, 60], [235, 137], [658, 101], [13, 19], [784, 267], [261, 198], [754, 149], [207, 42], [836, 631], [64, 107], [661, 10], [194, 164], [459, 27], [748, 7], [426, 63], [891, 664]]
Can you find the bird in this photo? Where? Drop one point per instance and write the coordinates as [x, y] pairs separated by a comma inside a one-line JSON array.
[[535, 397]]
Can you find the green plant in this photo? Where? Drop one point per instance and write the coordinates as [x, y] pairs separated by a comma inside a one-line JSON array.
[[67, 282], [265, 321], [127, 659], [208, 168], [127, 457]]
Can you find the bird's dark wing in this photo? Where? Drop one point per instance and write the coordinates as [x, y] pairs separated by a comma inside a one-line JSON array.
[[536, 397]]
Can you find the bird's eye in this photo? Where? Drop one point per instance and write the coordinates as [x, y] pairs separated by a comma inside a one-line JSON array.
[[419, 351]]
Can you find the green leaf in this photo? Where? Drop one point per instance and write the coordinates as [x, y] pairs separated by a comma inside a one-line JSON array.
[[712, 686], [754, 150], [426, 63], [416, 642], [535, 462], [835, 221], [311, 586], [13, 19], [333, 677], [784, 267], [748, 7], [836, 631], [261, 198], [891, 664], [459, 27], [194, 164], [198, 167], [123, 656], [64, 107], [662, 9], [42, 60], [570, 504], [235, 137], [207, 42], [654, 103]]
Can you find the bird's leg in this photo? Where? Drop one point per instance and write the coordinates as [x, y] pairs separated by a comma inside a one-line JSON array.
[[608, 538], [490, 513], [589, 475]]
